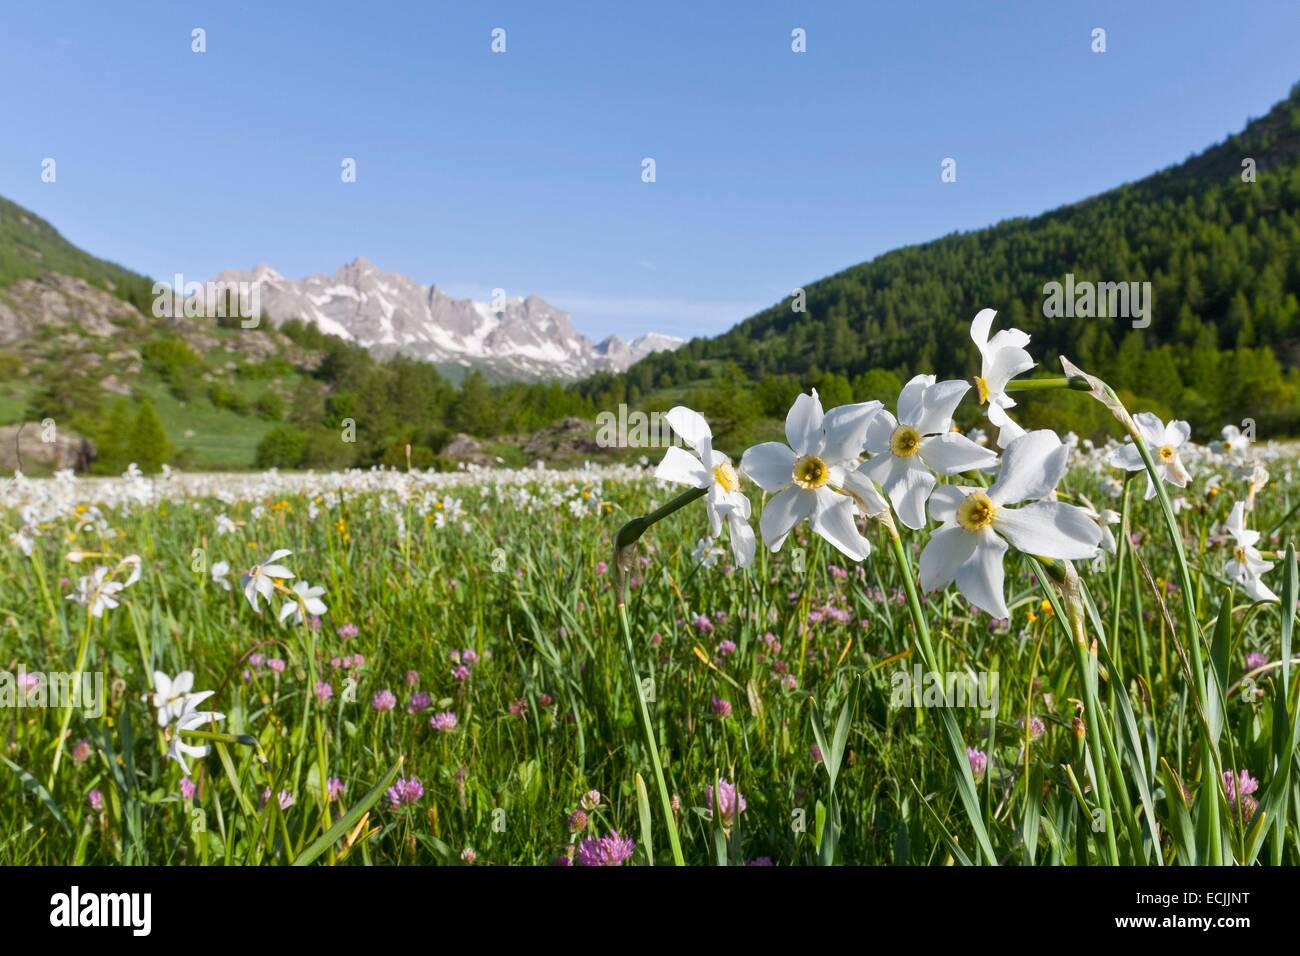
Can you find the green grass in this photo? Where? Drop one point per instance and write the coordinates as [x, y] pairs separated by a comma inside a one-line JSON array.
[[550, 710]]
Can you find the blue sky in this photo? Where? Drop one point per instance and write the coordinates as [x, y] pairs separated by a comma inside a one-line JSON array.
[[522, 170]]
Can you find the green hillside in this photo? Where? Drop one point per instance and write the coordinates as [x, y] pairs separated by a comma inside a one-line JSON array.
[[1222, 256], [31, 247]]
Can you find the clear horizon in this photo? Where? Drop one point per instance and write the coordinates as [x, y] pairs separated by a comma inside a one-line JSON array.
[[478, 170]]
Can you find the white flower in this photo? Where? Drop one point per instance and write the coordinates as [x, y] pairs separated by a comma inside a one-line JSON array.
[[1002, 358], [1105, 518], [1163, 443], [1234, 440], [706, 553], [308, 601], [1247, 564], [191, 719], [220, 574], [904, 450], [23, 541], [969, 547], [260, 578], [170, 695], [816, 476], [712, 470], [98, 590], [225, 525]]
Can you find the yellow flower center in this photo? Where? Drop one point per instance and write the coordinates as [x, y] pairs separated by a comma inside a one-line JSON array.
[[1240, 553], [976, 511], [905, 442], [1166, 453], [982, 387], [726, 477], [810, 472]]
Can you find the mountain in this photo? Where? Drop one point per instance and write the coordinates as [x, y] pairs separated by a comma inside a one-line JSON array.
[[1217, 237], [389, 313], [30, 248]]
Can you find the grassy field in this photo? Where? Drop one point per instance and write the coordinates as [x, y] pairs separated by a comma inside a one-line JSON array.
[[468, 694]]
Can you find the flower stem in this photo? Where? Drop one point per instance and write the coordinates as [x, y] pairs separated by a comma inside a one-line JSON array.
[[664, 799], [957, 744]]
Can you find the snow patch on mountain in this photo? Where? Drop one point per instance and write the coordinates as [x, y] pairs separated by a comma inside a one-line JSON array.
[[389, 313]]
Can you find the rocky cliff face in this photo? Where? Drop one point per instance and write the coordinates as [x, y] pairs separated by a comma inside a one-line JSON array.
[[386, 312]]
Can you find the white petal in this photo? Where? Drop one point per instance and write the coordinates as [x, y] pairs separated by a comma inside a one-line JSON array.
[[769, 465], [979, 327], [945, 499], [864, 493], [948, 549], [683, 468], [1176, 433], [908, 484], [940, 401], [690, 425], [276, 571], [743, 543], [783, 512], [980, 579], [1004, 365], [183, 683], [1050, 529], [1127, 457], [1151, 427], [911, 400], [879, 431], [1032, 466], [833, 520], [952, 453], [803, 425], [282, 553], [846, 430]]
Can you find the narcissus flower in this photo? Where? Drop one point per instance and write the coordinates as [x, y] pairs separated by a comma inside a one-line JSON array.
[[261, 578], [191, 719], [905, 449], [1002, 358], [1247, 564], [1163, 443], [98, 591], [307, 601], [170, 695], [978, 524], [713, 470], [816, 475]]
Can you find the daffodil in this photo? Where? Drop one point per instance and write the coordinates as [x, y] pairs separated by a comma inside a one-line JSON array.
[[261, 578], [978, 524], [711, 469], [1247, 564], [191, 719], [905, 449], [816, 475], [170, 694], [98, 590], [220, 574], [1234, 440], [306, 601], [1002, 358], [1163, 442]]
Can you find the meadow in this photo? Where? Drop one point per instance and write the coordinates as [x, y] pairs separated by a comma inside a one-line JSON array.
[[529, 666]]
